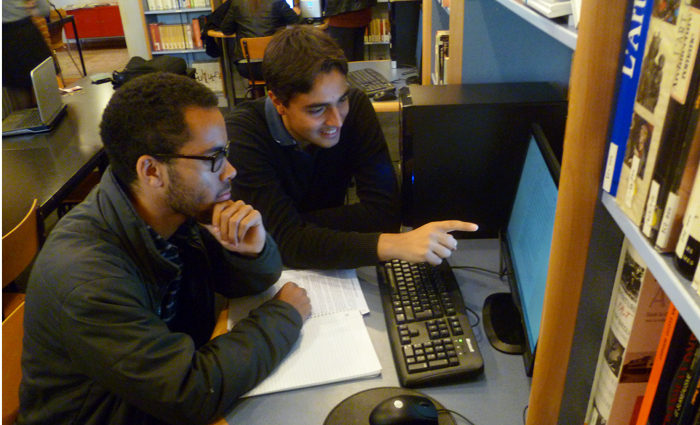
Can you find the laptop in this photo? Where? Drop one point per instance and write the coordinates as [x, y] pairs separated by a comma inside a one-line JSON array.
[[49, 108], [311, 10]]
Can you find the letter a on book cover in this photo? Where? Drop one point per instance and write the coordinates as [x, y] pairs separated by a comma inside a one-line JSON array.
[[638, 308], [629, 79]]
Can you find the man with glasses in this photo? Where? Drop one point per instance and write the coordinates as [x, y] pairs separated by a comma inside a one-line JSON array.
[[298, 151], [120, 304]]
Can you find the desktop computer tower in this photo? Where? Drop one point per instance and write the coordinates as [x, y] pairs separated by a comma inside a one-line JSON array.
[[462, 148]]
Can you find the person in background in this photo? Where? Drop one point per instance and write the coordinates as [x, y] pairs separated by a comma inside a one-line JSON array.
[[23, 48], [120, 305], [298, 150], [347, 22], [255, 18]]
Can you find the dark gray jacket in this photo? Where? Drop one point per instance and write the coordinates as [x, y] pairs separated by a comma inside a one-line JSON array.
[[336, 7], [274, 14], [95, 348]]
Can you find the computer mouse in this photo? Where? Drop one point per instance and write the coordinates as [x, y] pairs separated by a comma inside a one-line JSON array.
[[384, 96], [404, 410]]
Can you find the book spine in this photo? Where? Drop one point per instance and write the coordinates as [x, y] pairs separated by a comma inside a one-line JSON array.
[[197, 32], [686, 411], [659, 360], [688, 246], [674, 355], [675, 143], [677, 201], [155, 36], [678, 381]]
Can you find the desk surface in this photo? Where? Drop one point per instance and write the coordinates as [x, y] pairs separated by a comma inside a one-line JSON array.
[[499, 396], [47, 166]]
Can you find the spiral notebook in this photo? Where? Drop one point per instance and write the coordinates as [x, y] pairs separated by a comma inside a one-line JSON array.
[[334, 344]]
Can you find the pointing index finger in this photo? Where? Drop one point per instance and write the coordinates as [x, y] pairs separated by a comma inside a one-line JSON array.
[[452, 225]]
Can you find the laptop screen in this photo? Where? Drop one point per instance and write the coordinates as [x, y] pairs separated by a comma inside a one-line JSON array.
[[48, 97], [530, 229]]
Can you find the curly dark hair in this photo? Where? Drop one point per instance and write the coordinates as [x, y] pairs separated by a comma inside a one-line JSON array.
[[146, 116], [295, 56]]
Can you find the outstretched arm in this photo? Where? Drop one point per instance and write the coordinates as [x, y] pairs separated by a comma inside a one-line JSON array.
[[431, 242]]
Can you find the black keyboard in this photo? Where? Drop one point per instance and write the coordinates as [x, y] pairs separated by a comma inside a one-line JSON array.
[[370, 81], [429, 331]]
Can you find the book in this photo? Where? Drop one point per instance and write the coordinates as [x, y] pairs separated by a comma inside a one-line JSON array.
[[551, 9], [626, 92], [197, 33], [679, 126], [334, 344], [687, 404], [636, 316], [687, 249], [679, 382], [678, 197], [669, 338], [155, 37], [677, 349], [658, 74], [442, 40]]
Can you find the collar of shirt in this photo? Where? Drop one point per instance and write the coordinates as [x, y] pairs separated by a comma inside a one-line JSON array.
[[276, 125]]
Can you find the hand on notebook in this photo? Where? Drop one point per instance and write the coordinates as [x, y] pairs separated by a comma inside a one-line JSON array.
[[291, 293], [430, 242]]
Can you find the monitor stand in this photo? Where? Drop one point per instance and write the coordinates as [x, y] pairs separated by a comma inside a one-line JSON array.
[[502, 323]]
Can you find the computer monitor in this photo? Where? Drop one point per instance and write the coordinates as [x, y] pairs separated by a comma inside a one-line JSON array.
[[512, 320], [311, 10]]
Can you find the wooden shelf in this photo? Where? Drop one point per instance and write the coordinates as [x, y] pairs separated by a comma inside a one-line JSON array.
[[677, 288], [560, 32]]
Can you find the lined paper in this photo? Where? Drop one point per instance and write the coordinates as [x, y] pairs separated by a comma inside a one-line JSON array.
[[332, 348], [334, 344]]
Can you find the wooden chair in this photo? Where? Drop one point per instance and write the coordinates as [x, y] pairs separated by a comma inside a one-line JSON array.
[[43, 27], [19, 246], [12, 332], [253, 51]]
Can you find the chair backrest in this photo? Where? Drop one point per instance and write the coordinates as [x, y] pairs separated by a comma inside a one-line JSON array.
[[12, 333], [254, 47], [56, 31], [19, 246]]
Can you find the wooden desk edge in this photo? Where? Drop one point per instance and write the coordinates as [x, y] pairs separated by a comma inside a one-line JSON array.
[[386, 106]]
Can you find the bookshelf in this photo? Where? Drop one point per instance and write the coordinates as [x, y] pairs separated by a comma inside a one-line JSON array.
[[378, 50], [512, 42], [176, 16], [505, 41]]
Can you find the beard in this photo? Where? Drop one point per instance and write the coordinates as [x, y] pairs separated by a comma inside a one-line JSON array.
[[188, 200]]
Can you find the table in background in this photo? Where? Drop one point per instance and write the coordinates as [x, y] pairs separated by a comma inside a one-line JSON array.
[[499, 396], [47, 166], [70, 19]]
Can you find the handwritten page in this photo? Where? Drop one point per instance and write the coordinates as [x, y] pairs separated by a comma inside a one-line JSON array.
[[331, 348], [330, 291]]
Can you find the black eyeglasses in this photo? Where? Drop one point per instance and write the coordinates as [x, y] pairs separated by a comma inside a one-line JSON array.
[[217, 160]]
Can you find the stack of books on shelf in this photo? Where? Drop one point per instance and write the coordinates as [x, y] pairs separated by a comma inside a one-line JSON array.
[[378, 31], [175, 36], [177, 4], [654, 148], [551, 8]]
